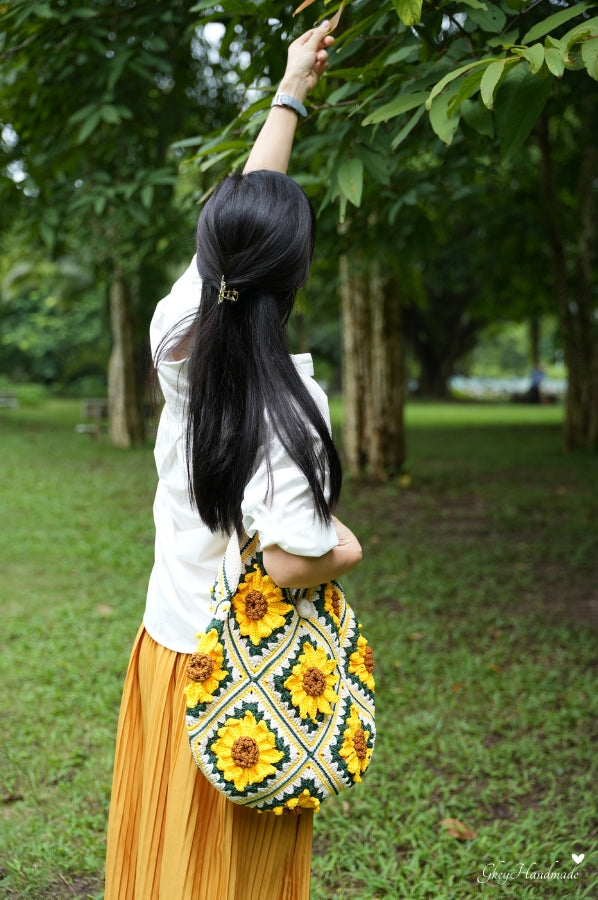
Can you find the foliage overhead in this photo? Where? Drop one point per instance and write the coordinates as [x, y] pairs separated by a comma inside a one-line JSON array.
[[92, 95], [465, 66]]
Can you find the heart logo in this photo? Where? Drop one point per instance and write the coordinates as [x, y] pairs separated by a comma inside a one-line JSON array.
[[577, 859]]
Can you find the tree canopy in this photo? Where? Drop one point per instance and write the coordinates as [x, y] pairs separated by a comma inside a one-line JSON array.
[[452, 139]]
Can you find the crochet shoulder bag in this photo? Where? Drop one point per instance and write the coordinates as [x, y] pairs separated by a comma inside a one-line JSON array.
[[280, 699]]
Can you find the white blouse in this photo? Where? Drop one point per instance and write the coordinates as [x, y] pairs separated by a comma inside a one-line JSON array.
[[187, 553]]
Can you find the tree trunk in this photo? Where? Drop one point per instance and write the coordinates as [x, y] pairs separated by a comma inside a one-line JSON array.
[[574, 296], [355, 339], [373, 373], [126, 422], [434, 371], [440, 333]]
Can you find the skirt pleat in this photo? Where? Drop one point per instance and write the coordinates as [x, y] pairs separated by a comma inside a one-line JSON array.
[[171, 835]]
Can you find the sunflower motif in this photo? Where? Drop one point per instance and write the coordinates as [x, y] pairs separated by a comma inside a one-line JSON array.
[[332, 602], [312, 681], [246, 751], [361, 663], [258, 606], [297, 804], [205, 669], [355, 750]]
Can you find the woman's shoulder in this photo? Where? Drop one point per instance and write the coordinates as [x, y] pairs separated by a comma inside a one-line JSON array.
[[177, 307]]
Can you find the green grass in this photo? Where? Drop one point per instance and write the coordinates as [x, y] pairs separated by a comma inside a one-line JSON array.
[[477, 591]]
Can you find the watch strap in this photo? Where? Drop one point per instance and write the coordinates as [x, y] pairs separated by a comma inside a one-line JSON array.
[[290, 102]]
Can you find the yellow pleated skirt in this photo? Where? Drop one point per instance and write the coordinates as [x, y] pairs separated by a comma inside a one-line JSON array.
[[171, 835]]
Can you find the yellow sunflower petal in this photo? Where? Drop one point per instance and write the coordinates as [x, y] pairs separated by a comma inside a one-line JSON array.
[[194, 693], [208, 641]]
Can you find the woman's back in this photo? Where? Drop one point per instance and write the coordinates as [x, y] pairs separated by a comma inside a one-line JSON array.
[[187, 552]]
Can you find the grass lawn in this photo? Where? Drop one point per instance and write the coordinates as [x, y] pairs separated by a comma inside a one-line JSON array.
[[478, 591]]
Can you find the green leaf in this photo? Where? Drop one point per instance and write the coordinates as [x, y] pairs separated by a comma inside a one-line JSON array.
[[550, 41], [82, 113], [450, 76], [408, 128], [552, 22], [83, 13], [589, 54], [342, 208], [490, 80], [208, 146], [147, 195], [521, 100], [444, 125], [402, 55], [504, 40], [350, 180], [214, 159], [89, 126], [478, 117], [475, 4], [408, 11], [401, 104], [470, 84], [110, 114], [376, 165], [492, 19], [555, 61], [589, 28], [534, 56], [345, 90], [117, 67], [47, 234], [43, 10], [124, 112]]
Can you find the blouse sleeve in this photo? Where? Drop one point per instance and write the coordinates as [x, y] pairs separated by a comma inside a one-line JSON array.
[[174, 313], [177, 307], [281, 509]]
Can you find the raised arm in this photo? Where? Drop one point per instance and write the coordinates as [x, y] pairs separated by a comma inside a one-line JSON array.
[[306, 61]]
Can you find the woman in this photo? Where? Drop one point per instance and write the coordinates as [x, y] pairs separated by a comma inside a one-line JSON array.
[[243, 441]]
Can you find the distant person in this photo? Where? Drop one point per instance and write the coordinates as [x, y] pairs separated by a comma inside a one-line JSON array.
[[243, 441], [537, 377]]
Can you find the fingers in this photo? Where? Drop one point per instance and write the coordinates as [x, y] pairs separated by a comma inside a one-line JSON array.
[[321, 64], [315, 36]]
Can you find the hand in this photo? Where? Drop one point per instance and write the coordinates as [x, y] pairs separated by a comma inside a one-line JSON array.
[[307, 59]]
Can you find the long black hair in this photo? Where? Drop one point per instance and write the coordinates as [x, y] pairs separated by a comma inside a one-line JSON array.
[[256, 232]]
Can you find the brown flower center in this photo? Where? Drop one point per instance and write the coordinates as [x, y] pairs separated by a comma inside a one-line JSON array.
[[245, 752], [256, 605], [336, 604], [368, 659], [314, 682], [360, 744], [200, 667]]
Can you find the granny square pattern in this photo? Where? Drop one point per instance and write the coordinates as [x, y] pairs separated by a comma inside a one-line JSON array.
[[280, 699]]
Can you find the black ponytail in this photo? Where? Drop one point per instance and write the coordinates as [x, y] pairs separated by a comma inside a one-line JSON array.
[[257, 232]]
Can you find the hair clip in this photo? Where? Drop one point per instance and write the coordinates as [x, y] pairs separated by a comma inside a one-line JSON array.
[[226, 295]]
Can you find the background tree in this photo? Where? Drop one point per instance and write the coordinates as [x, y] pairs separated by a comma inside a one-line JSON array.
[[44, 304], [92, 97]]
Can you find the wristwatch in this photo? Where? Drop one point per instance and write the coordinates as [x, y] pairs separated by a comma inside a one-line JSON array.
[[290, 102]]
